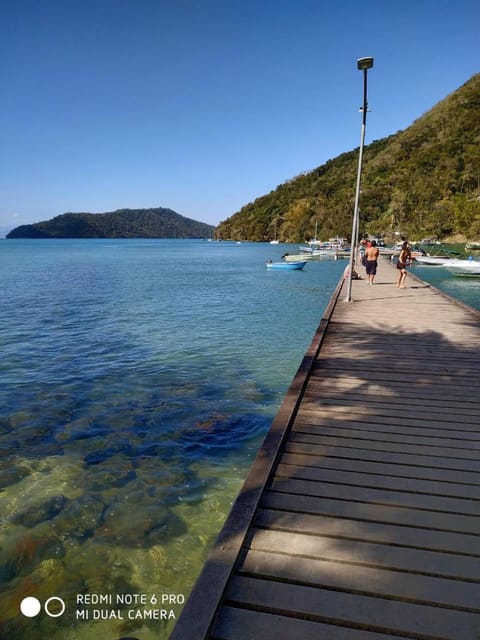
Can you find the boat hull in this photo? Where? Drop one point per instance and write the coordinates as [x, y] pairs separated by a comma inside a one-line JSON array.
[[434, 261], [286, 266], [464, 268]]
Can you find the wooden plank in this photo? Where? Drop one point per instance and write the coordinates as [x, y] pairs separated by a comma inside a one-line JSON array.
[[428, 488], [367, 613], [381, 404], [383, 533], [468, 470], [430, 431], [372, 397], [377, 434], [398, 471], [363, 416], [381, 496], [366, 414], [385, 556], [429, 590], [392, 447], [245, 624], [376, 513], [396, 353], [345, 382], [424, 392], [325, 366]]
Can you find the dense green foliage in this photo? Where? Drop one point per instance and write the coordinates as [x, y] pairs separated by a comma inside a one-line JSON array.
[[124, 223], [424, 181]]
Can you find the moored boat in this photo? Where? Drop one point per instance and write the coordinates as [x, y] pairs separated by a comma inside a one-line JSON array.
[[466, 268], [434, 261], [298, 264]]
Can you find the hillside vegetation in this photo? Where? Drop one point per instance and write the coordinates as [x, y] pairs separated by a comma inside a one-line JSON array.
[[423, 181], [124, 223]]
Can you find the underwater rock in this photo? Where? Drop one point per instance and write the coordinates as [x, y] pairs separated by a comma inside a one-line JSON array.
[[39, 512], [96, 457], [12, 475], [80, 517], [22, 554], [108, 476], [130, 523]]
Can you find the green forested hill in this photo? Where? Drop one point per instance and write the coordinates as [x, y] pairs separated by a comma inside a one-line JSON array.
[[422, 181], [124, 223]]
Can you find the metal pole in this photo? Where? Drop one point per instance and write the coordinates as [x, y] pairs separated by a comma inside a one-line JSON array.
[[355, 224]]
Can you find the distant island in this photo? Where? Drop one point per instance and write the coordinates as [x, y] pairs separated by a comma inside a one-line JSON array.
[[123, 223]]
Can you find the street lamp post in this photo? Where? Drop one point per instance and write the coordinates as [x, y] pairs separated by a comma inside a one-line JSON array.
[[363, 64]]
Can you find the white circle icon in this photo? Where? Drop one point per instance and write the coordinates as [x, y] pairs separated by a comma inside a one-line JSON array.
[[54, 614], [30, 607]]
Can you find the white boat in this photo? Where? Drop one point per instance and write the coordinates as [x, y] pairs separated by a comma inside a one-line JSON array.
[[434, 261], [299, 257], [466, 268]]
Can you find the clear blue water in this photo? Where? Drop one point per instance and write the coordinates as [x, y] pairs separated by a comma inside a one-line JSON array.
[[138, 378], [465, 289]]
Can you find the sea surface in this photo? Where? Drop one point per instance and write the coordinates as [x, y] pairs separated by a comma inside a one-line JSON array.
[[138, 379], [464, 289]]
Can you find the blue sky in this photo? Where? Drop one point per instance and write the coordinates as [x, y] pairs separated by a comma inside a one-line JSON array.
[[202, 106]]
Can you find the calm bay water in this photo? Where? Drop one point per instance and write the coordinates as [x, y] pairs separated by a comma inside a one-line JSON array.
[[465, 289], [138, 380]]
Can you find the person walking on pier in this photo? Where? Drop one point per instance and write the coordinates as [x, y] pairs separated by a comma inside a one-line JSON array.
[[371, 255], [404, 261]]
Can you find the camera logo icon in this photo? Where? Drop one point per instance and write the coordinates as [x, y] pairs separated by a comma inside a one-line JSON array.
[[54, 607]]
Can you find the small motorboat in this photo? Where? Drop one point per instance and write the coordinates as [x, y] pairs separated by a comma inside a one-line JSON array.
[[299, 264], [467, 268], [434, 261], [436, 258]]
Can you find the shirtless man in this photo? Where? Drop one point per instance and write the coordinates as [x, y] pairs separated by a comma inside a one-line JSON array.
[[371, 253]]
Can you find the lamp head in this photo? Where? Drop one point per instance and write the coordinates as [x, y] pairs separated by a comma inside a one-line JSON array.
[[364, 63]]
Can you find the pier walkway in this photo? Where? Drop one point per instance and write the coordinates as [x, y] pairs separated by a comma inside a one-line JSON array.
[[360, 519]]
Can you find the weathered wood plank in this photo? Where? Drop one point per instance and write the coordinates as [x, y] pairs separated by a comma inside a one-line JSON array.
[[439, 592], [466, 495], [381, 496], [371, 398], [245, 624], [468, 437], [344, 384], [383, 533], [366, 417], [367, 613], [398, 471], [381, 404], [401, 454], [377, 434], [384, 556], [371, 512]]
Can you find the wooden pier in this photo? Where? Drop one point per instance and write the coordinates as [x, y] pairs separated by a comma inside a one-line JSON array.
[[360, 519]]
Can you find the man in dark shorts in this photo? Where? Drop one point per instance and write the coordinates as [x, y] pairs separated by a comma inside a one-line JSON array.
[[371, 253]]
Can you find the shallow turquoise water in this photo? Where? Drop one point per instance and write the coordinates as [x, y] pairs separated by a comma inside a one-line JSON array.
[[138, 380], [465, 289]]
